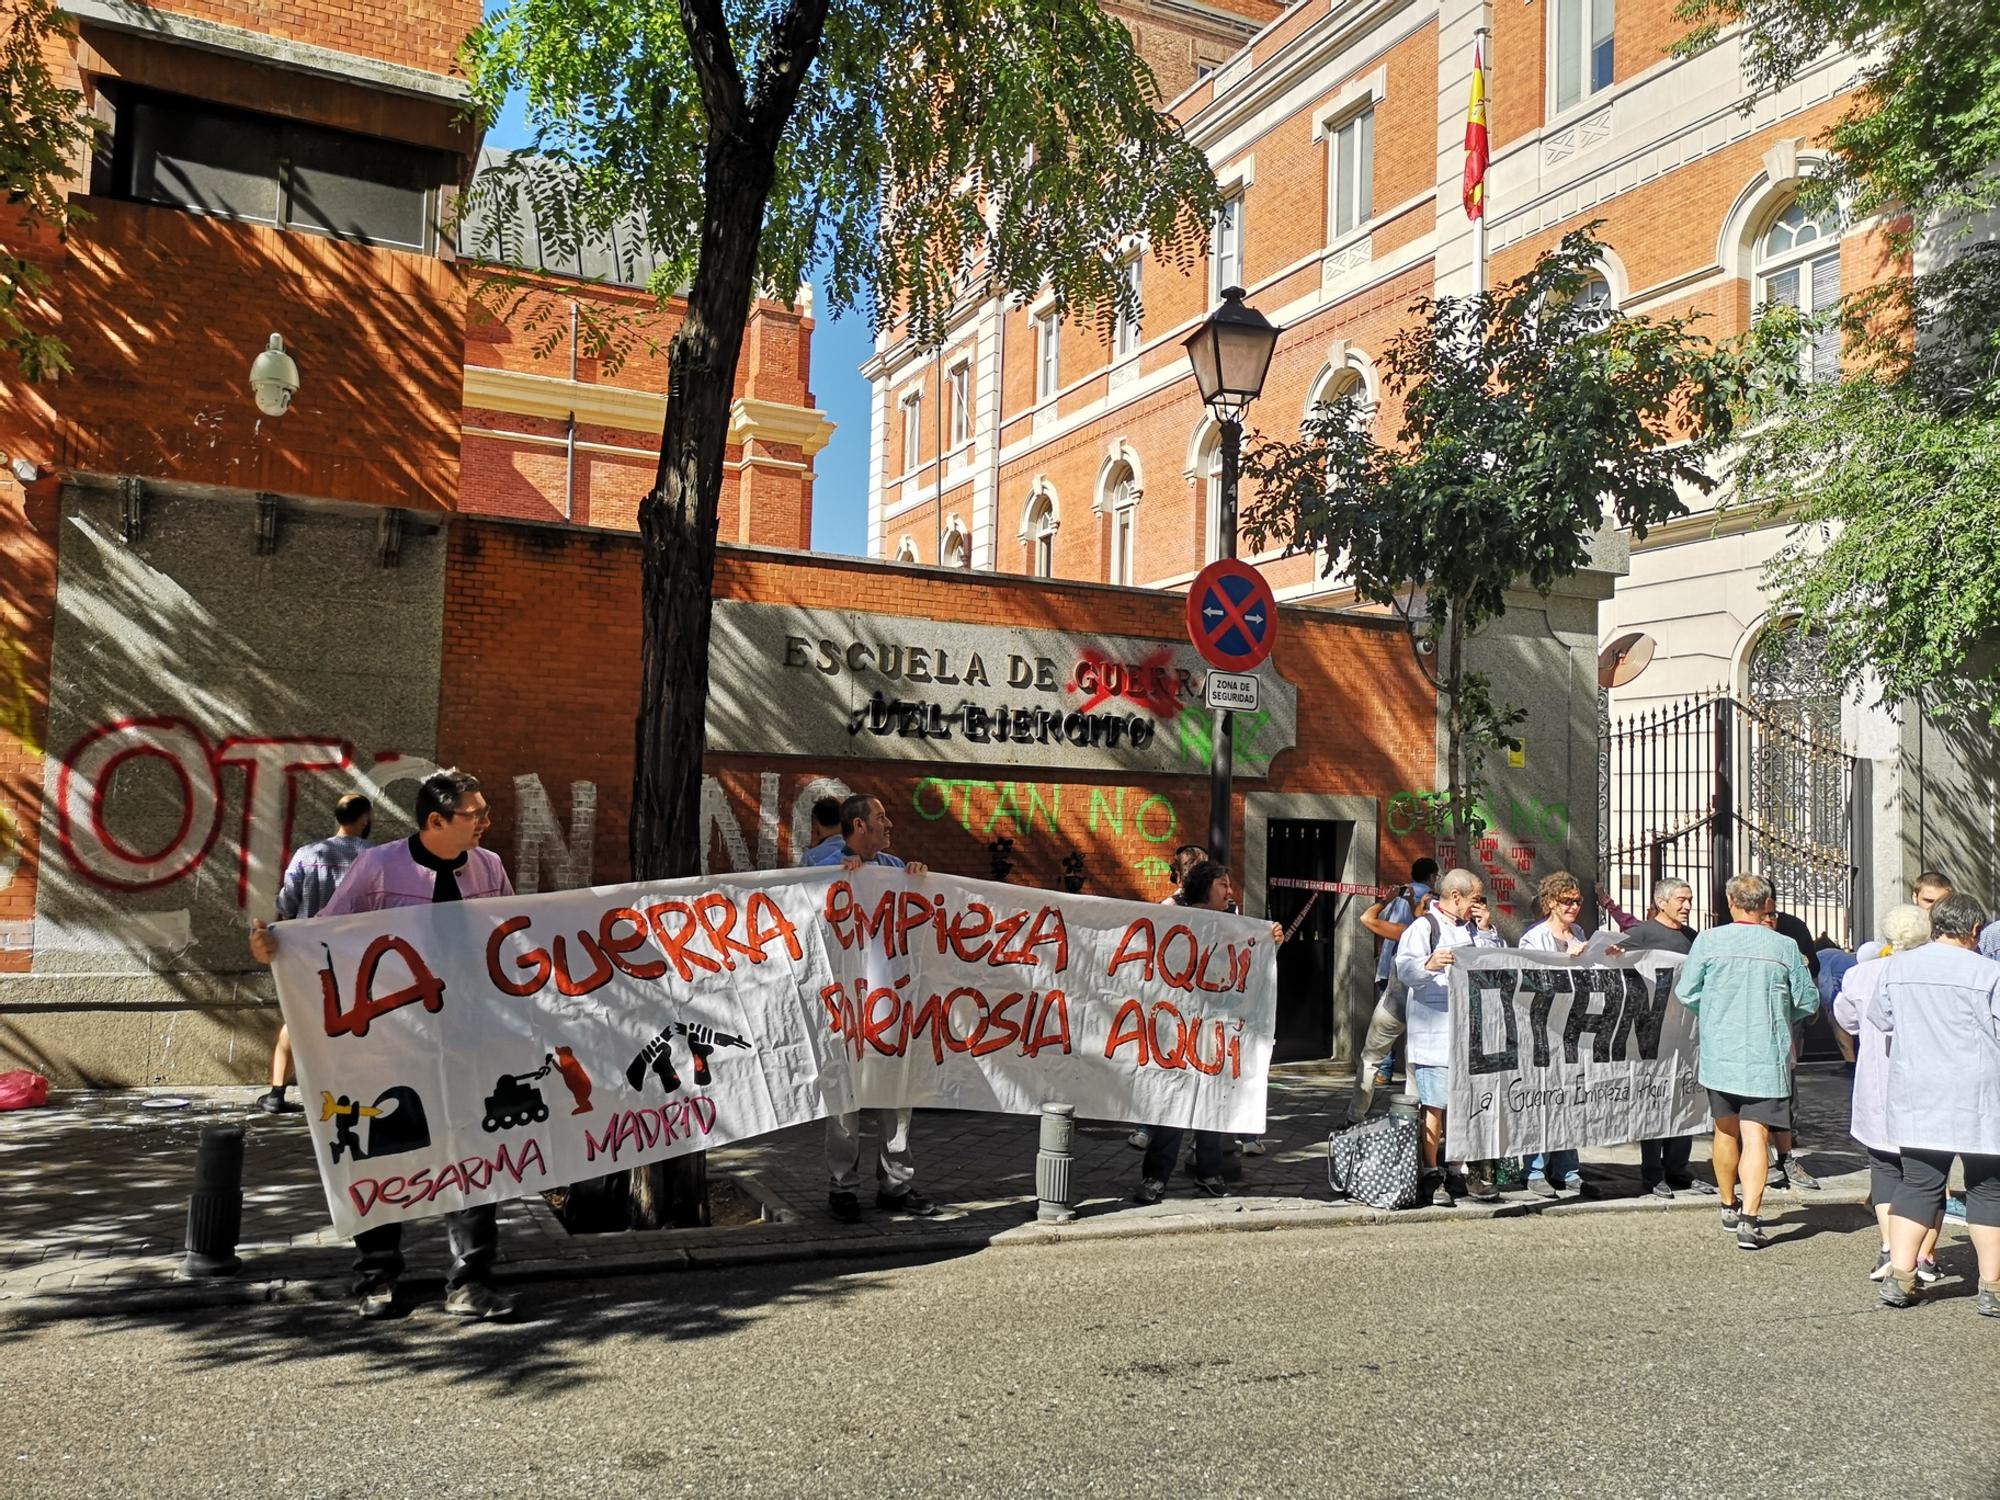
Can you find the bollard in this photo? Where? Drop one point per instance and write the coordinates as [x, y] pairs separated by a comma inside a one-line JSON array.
[[1053, 1162], [215, 1210]]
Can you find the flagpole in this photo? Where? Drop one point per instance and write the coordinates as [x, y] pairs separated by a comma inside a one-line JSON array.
[[1482, 41]]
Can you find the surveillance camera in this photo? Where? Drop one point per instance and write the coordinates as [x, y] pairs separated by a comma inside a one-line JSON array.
[[1426, 646], [274, 379]]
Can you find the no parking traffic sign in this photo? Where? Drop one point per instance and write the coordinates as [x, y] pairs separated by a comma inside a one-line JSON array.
[[1232, 617]]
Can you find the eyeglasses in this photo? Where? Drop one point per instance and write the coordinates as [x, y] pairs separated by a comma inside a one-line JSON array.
[[477, 814], [1569, 901]]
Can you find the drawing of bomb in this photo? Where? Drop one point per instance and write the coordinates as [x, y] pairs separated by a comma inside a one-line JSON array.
[[396, 1123], [657, 1056]]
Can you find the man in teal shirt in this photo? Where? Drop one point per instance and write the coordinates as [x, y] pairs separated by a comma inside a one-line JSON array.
[[1747, 984]]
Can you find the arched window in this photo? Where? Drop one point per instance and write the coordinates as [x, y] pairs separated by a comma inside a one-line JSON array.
[[906, 550], [1208, 470], [1123, 493], [1798, 264], [1041, 534], [956, 550]]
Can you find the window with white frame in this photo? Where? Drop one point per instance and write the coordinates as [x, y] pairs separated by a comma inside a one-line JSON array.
[[1209, 469], [906, 550], [1352, 185], [1124, 504], [958, 405], [1583, 49], [1128, 332], [913, 430], [1343, 385], [1042, 536], [1226, 251], [955, 550], [1798, 264], [1048, 356]]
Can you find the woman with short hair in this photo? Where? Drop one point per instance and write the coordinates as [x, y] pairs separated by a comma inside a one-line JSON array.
[[1558, 900], [1904, 928]]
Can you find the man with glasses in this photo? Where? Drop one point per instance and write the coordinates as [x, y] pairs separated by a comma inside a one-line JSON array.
[[441, 861], [1664, 1164]]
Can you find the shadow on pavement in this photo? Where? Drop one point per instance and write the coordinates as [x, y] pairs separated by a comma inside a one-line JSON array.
[[563, 1338]]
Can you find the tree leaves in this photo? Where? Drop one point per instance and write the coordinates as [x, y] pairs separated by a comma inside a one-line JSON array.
[[1011, 144]]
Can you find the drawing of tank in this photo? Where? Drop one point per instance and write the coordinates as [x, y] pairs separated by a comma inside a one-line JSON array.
[[515, 1101]]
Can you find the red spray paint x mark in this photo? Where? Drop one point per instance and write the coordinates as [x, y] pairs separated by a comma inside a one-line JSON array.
[[1148, 686]]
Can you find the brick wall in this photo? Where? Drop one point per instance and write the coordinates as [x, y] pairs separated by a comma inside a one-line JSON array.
[[28, 532], [527, 690], [426, 34]]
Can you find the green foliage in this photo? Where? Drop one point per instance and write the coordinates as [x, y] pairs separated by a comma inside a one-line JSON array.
[[43, 129], [1530, 421], [1015, 143], [1923, 130], [1890, 479]]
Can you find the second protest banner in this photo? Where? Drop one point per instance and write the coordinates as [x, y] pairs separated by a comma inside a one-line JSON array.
[[1550, 1052]]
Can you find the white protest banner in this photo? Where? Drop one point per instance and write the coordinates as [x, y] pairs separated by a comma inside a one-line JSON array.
[[966, 994], [483, 1050], [1550, 1052]]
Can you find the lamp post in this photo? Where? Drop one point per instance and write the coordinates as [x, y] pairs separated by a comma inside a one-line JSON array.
[[1231, 353]]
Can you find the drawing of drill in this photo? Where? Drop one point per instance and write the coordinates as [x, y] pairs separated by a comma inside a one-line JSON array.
[[658, 1055]]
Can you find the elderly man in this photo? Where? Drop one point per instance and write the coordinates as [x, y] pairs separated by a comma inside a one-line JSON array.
[[865, 834], [1747, 984], [1663, 1164], [1425, 953], [1940, 1009]]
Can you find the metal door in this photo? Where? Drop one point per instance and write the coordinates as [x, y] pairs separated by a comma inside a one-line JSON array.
[[1307, 849]]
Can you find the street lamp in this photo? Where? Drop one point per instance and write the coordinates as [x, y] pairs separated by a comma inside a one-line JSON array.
[[1231, 353]]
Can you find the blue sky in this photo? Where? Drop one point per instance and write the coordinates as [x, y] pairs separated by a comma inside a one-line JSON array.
[[839, 346]]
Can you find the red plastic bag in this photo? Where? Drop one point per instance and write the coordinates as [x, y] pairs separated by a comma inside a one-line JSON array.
[[21, 1089]]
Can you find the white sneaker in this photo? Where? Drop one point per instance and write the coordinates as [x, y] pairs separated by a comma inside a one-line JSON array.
[[1255, 1148], [1139, 1139]]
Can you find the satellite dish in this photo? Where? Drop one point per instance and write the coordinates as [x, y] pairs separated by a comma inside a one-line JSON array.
[[1624, 659]]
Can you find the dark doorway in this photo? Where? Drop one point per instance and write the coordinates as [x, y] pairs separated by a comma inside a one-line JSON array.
[[1306, 849]]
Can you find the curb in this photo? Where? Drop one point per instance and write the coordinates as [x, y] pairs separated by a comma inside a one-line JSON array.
[[166, 1296]]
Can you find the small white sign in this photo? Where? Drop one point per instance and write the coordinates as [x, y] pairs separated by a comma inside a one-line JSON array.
[[1235, 691]]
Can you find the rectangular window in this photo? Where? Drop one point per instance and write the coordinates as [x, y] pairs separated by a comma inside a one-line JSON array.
[[1353, 173], [958, 411], [1813, 287], [913, 431], [1128, 334], [1583, 47], [1227, 252], [209, 160], [1048, 350]]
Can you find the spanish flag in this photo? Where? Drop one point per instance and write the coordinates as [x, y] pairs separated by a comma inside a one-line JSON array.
[[1475, 141]]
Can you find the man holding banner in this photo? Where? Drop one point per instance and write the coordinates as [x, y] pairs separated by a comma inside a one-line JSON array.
[[1747, 983], [865, 832], [1425, 954], [441, 861]]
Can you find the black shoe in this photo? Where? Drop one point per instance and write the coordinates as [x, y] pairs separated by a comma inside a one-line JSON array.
[[275, 1103], [844, 1206], [1899, 1289], [377, 1302], [1731, 1216], [1749, 1233], [1700, 1186], [1150, 1190], [1797, 1175], [1211, 1187], [913, 1203]]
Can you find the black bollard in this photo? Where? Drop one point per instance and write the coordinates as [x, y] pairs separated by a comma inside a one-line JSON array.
[[215, 1211]]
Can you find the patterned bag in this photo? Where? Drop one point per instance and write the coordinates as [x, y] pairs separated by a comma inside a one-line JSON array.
[[1375, 1162]]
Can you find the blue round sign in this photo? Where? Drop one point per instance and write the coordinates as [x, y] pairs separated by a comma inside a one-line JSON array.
[[1232, 616]]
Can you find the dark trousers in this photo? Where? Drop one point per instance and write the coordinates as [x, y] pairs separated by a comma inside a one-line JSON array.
[[1164, 1149], [1666, 1160], [475, 1243]]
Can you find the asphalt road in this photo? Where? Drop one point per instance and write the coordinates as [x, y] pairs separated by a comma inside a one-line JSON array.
[[1612, 1354]]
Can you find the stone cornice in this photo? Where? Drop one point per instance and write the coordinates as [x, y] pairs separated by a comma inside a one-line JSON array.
[[489, 388]]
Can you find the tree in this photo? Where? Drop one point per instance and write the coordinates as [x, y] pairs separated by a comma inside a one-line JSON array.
[[1887, 476], [43, 130], [1529, 418], [886, 147]]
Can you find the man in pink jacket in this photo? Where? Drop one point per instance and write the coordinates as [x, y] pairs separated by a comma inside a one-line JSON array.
[[441, 861]]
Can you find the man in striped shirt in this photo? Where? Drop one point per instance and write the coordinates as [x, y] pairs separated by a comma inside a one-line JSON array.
[[309, 883]]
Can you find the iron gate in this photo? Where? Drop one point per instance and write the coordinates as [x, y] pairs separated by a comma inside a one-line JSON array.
[[1709, 786]]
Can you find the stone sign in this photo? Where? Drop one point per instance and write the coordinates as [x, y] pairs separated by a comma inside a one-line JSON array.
[[838, 685]]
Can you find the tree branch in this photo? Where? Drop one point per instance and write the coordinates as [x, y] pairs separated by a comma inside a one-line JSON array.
[[714, 57], [783, 65]]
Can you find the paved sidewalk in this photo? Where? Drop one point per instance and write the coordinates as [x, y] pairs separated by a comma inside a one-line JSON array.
[[97, 1185]]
